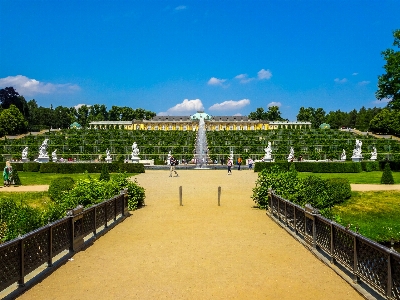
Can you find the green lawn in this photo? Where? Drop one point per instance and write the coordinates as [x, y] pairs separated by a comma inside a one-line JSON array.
[[36, 178], [377, 214], [363, 177], [33, 199]]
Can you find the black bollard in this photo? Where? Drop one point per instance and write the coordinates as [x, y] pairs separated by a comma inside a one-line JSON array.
[[219, 196], [180, 196]]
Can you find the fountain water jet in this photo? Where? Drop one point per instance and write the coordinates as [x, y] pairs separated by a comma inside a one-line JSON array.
[[201, 147]]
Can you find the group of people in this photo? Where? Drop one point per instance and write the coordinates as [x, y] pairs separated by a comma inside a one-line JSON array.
[[173, 162]]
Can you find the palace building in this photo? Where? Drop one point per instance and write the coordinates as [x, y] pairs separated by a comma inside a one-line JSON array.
[[212, 123]]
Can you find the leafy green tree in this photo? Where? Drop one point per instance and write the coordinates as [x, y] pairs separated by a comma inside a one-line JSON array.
[[305, 114], [389, 83], [12, 121], [386, 122], [259, 114], [9, 96], [387, 176], [82, 114], [273, 114], [62, 117]]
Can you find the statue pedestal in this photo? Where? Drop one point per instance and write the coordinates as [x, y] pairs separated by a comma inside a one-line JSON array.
[[268, 159], [54, 159], [135, 160], [108, 159], [42, 159], [356, 158], [24, 160]]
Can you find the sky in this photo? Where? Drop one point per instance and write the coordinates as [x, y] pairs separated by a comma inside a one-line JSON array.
[[177, 57]]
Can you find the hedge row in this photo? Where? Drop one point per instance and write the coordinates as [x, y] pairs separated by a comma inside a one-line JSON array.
[[327, 167], [70, 168]]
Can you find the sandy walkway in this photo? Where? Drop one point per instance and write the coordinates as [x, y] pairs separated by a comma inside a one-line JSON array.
[[25, 188], [196, 251]]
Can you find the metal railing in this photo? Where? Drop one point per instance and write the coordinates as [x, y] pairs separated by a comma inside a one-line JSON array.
[[25, 254], [365, 260]]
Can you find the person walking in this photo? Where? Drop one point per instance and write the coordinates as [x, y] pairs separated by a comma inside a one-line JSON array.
[[173, 163], [250, 162], [229, 164], [239, 162]]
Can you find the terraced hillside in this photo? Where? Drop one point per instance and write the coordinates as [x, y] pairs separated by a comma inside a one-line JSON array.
[[90, 144], [309, 143]]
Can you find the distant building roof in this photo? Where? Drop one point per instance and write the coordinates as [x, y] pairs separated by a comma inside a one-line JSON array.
[[170, 118], [325, 126], [200, 115], [75, 125]]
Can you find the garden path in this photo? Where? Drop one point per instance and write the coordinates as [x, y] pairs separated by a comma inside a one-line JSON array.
[[196, 251]]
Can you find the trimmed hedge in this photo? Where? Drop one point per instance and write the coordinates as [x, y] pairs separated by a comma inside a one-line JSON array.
[[70, 168], [314, 167]]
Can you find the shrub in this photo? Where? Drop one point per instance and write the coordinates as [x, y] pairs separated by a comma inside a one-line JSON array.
[[387, 176], [60, 185], [15, 177], [105, 175]]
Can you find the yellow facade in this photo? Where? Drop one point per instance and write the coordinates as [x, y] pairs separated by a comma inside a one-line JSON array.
[[191, 123]]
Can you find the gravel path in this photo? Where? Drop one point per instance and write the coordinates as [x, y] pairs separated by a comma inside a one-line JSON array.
[[196, 251]]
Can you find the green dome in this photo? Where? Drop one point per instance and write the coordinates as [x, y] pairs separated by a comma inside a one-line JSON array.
[[75, 125], [200, 115], [325, 126]]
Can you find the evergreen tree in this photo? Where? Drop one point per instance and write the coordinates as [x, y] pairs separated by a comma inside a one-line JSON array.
[[105, 175], [387, 176], [15, 177]]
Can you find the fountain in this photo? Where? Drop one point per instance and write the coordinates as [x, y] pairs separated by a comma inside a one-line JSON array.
[[201, 147]]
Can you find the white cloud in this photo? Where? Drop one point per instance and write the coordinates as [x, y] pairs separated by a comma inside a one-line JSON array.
[[215, 81], [244, 78], [274, 104], [365, 82], [184, 108], [238, 115], [264, 74], [29, 87], [229, 105], [355, 74], [79, 105], [337, 80], [181, 7], [384, 101]]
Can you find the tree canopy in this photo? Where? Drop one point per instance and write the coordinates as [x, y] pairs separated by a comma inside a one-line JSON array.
[[273, 114], [389, 83]]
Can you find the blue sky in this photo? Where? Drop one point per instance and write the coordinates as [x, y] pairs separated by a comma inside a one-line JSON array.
[[176, 57]]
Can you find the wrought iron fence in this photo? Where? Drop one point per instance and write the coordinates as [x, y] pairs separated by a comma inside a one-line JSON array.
[[25, 254], [365, 260]]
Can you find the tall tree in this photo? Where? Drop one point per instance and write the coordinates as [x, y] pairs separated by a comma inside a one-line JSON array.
[[273, 114], [259, 114], [389, 83], [9, 96], [12, 121]]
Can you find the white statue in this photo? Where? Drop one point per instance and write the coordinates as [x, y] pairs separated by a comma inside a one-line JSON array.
[[343, 156], [54, 155], [25, 154], [357, 150], [231, 156], [108, 156], [169, 157], [357, 156], [43, 149], [268, 152], [135, 150], [291, 155], [374, 154]]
